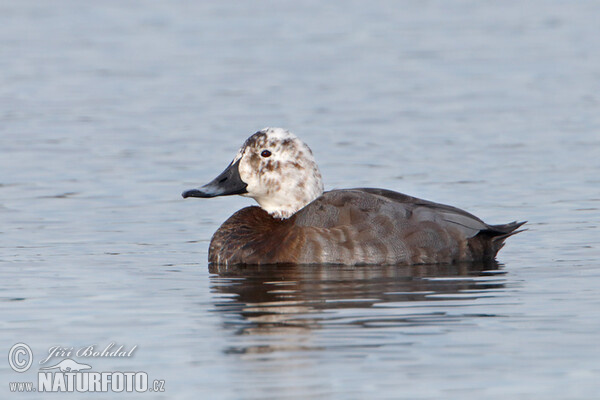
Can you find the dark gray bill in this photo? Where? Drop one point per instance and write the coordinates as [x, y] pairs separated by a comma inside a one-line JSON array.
[[228, 183]]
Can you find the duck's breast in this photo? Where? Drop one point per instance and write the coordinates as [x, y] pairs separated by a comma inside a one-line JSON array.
[[252, 236]]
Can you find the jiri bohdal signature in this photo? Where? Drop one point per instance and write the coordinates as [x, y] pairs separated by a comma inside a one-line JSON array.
[[91, 351]]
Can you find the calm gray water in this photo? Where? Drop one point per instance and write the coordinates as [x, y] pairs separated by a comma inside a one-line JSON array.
[[109, 110]]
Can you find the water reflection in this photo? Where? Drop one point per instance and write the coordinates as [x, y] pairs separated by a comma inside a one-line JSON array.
[[279, 305]]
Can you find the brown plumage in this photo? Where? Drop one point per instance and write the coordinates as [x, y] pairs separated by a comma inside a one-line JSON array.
[[359, 226]]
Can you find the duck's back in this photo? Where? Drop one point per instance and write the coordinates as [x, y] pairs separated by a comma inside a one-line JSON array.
[[358, 226]]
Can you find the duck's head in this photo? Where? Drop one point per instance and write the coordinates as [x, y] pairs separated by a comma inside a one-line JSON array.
[[273, 167]]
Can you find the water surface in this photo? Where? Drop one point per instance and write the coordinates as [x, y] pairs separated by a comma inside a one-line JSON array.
[[109, 110]]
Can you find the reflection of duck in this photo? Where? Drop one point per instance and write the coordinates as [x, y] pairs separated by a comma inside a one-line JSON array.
[[305, 283], [298, 223], [293, 300]]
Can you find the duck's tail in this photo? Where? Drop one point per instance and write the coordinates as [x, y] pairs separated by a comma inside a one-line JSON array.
[[501, 232], [491, 240]]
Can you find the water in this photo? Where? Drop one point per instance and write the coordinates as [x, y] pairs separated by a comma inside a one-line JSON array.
[[109, 110]]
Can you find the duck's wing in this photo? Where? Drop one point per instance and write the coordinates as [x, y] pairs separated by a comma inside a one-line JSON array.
[[468, 223], [450, 214], [340, 207], [376, 226]]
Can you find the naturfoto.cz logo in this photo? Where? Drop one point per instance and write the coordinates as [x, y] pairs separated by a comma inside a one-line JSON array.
[[69, 375]]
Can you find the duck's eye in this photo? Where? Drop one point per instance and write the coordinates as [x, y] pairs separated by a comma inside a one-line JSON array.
[[265, 153]]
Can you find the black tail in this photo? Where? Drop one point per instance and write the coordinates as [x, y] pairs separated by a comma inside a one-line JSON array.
[[507, 229], [489, 241], [499, 233]]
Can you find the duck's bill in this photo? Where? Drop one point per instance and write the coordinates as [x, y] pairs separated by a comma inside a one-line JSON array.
[[227, 183]]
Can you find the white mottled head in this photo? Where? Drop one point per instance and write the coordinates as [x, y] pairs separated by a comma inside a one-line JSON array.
[[273, 167]]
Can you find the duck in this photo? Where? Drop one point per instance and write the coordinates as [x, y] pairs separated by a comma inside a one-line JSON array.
[[298, 222]]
